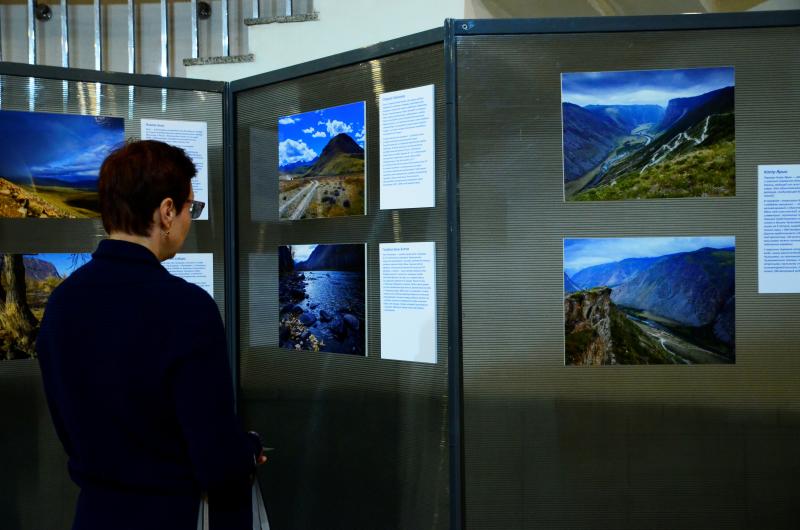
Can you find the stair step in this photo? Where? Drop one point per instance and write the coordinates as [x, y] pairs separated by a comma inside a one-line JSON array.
[[307, 17], [220, 59]]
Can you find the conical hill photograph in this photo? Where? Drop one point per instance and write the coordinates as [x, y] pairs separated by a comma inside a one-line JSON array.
[[321, 163]]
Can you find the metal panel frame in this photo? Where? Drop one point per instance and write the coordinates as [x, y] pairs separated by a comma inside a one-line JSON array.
[[449, 35], [111, 78], [404, 44], [169, 83], [455, 344], [231, 235], [756, 19], [456, 28]]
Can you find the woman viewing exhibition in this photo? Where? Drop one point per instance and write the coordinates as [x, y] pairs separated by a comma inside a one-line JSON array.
[[135, 367]]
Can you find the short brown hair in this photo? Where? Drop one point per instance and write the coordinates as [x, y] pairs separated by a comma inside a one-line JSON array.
[[136, 177]]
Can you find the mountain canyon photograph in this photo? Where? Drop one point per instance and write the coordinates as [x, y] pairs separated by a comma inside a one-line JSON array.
[[648, 134], [654, 300]]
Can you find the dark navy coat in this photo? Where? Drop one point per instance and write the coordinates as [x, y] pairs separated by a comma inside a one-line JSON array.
[[138, 383]]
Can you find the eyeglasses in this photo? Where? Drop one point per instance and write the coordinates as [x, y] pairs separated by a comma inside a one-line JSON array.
[[195, 208]]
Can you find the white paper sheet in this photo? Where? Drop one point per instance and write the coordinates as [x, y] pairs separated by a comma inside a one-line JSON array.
[[196, 268], [192, 137], [408, 301], [779, 228], [407, 149]]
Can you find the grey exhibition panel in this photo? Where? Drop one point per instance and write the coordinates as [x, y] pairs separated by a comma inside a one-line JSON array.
[[35, 489], [619, 447], [360, 442]]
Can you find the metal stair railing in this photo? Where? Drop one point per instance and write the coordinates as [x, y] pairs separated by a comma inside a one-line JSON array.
[[36, 12]]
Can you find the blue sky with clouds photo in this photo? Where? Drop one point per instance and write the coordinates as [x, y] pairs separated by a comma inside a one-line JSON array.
[[642, 87], [302, 137], [582, 253], [61, 146]]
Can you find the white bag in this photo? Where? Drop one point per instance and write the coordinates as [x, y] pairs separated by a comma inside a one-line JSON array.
[[260, 521]]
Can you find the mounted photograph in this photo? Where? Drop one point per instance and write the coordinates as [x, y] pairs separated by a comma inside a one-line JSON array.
[[322, 297], [27, 282], [50, 163], [652, 300], [322, 163], [648, 134]]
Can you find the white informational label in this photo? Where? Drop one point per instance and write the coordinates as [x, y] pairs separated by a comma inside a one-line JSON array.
[[408, 301], [192, 137], [779, 229], [407, 149], [196, 268]]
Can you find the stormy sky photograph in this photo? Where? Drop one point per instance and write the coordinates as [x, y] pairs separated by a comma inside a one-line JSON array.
[[65, 147], [642, 87]]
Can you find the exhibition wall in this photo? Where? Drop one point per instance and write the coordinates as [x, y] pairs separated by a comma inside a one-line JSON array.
[[360, 438], [51, 218], [509, 274], [608, 186]]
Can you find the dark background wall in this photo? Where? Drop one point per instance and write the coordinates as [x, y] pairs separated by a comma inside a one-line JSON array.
[[673, 447], [35, 489], [359, 442]]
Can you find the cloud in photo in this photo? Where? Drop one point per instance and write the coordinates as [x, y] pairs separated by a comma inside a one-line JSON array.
[[642, 87], [311, 131], [77, 166], [361, 136], [67, 147], [335, 127], [292, 151]]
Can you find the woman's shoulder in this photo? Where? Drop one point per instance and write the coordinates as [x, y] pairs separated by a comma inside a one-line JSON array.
[[190, 295]]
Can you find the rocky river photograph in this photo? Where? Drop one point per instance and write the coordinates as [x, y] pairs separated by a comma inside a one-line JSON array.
[[322, 296], [656, 300], [648, 134]]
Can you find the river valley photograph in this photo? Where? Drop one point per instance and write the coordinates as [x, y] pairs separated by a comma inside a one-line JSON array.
[[648, 134], [322, 296], [654, 300], [50, 163], [321, 163]]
